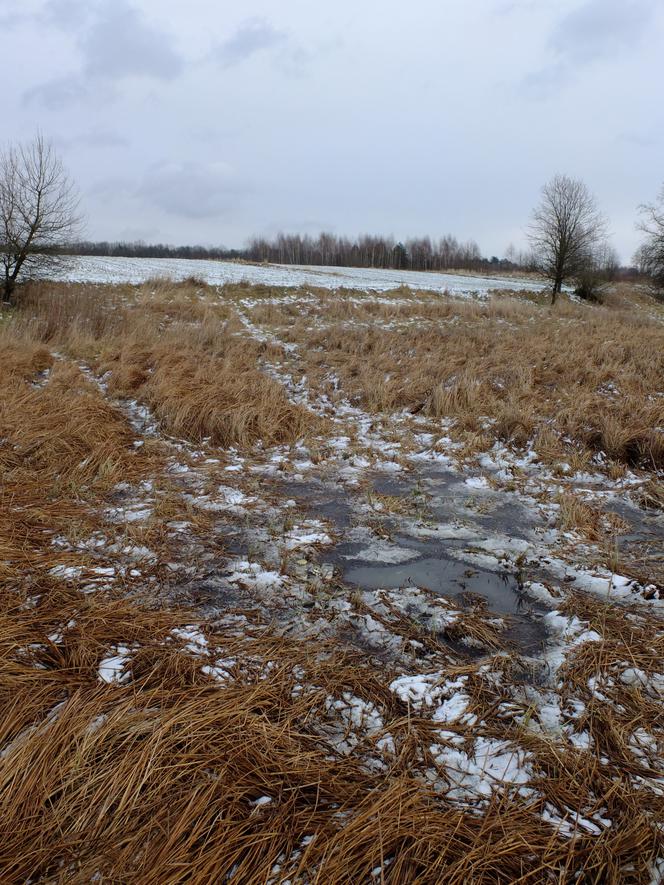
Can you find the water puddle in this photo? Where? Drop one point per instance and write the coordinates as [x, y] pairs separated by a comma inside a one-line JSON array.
[[402, 559], [448, 577], [318, 500], [465, 586], [445, 497]]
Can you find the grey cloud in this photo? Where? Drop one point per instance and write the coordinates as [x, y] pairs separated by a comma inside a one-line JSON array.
[[132, 234], [112, 187], [57, 94], [67, 14], [115, 42], [595, 30], [250, 38], [364, 141], [190, 190], [510, 7], [639, 139], [600, 28], [95, 139], [546, 82], [11, 20], [293, 60], [121, 43]]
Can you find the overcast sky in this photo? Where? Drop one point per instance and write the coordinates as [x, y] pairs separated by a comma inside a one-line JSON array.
[[207, 122]]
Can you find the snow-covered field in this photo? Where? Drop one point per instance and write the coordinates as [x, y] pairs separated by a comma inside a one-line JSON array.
[[95, 269]]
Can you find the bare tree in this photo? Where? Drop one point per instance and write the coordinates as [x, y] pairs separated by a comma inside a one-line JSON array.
[[650, 256], [38, 208], [565, 231]]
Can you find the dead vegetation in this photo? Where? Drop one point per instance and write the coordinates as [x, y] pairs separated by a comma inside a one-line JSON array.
[[591, 522], [232, 755], [170, 775], [575, 378], [175, 351], [651, 495], [225, 398]]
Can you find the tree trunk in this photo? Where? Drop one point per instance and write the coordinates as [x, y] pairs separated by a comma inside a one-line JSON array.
[[557, 288], [8, 289]]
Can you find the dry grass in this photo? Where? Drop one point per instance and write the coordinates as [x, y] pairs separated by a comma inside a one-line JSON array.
[[577, 515], [72, 434], [575, 378], [155, 778], [651, 495], [175, 350], [64, 447], [223, 398]]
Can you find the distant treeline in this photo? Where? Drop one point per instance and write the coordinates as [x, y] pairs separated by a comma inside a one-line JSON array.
[[326, 249], [423, 253], [139, 249], [370, 251]]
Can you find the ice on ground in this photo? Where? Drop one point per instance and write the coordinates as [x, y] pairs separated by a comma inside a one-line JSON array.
[[444, 532], [491, 765], [383, 553], [196, 642], [137, 553], [254, 575], [112, 667], [432, 690], [579, 739], [309, 532], [477, 482], [234, 496], [220, 670], [540, 592], [652, 683], [453, 708], [572, 822], [131, 513], [103, 572], [419, 691], [550, 717], [570, 632], [66, 572], [357, 713]]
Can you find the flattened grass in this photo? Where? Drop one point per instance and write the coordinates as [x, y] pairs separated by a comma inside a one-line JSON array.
[[584, 377], [162, 776]]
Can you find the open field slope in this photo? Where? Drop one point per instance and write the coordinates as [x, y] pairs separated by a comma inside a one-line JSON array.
[[330, 587], [95, 269]]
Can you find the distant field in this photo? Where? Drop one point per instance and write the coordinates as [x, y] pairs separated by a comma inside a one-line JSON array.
[[94, 269]]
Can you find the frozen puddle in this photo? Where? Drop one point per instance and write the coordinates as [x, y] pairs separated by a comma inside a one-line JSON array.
[[448, 577], [419, 551], [466, 586]]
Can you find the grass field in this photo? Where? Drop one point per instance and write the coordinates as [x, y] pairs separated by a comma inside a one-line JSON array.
[[303, 585]]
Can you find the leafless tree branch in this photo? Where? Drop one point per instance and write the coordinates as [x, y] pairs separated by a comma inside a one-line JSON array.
[[39, 208], [650, 255], [566, 230]]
